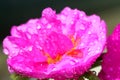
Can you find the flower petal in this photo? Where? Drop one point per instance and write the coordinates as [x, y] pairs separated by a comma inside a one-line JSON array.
[[58, 46]]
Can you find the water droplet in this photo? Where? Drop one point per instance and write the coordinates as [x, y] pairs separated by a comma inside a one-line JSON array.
[[59, 77], [89, 32], [108, 76], [30, 48], [72, 63], [82, 44], [97, 50], [111, 69], [82, 27], [6, 51], [49, 26], [28, 36], [54, 69], [38, 27]]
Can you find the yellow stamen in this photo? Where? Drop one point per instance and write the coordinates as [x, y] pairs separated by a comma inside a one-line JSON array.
[[51, 60], [73, 52], [74, 41]]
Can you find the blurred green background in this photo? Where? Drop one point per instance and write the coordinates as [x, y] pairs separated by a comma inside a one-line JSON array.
[[15, 12]]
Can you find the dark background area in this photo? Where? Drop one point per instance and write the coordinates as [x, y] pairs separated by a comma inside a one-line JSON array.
[[16, 12]]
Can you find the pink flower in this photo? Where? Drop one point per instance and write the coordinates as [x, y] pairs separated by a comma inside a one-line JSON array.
[[58, 46], [111, 60]]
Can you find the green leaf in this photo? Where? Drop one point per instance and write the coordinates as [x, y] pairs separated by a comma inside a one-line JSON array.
[[91, 75], [18, 77], [81, 78]]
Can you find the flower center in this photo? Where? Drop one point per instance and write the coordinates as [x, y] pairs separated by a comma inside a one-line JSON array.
[[73, 53], [77, 53], [51, 60]]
